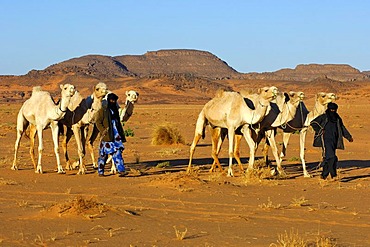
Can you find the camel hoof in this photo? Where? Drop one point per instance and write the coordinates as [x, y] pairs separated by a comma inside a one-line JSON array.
[[14, 168], [306, 175], [81, 172], [230, 173], [75, 165], [61, 172], [282, 173]]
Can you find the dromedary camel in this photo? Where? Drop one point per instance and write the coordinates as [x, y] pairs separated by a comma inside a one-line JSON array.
[[41, 112], [283, 109], [301, 122], [229, 110], [80, 113], [124, 113]]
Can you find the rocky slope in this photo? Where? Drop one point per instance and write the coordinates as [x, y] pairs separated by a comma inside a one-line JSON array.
[[176, 75]]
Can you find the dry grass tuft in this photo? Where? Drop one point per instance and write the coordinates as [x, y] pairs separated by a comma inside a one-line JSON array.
[[258, 174], [166, 134], [269, 205], [293, 239], [7, 182], [81, 206], [180, 235], [299, 202]]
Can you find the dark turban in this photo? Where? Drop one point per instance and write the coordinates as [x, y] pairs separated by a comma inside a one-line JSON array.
[[332, 106], [113, 106], [331, 112]]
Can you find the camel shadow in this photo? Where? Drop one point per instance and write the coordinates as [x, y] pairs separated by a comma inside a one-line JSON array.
[[293, 170], [315, 168]]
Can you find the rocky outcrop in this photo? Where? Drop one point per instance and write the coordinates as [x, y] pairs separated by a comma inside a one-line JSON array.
[[310, 72], [91, 65]]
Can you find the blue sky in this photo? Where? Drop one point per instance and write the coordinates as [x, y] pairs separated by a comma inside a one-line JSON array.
[[250, 35]]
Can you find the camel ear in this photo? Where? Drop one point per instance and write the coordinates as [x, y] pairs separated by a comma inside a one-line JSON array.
[[126, 93], [61, 86], [287, 97]]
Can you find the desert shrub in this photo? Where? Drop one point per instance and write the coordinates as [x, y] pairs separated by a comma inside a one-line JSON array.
[[166, 134], [129, 132]]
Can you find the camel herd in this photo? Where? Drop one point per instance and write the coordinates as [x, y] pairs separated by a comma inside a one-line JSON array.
[[254, 116], [72, 115]]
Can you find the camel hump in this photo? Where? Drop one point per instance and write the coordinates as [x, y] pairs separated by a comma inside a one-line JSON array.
[[36, 89], [219, 93]]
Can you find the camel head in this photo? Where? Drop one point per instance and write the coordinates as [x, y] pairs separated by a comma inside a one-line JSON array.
[[294, 97], [68, 90], [132, 96], [325, 98], [267, 94], [100, 90]]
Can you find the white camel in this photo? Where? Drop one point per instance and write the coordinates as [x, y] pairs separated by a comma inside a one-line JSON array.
[[41, 112], [229, 110], [283, 109], [301, 122], [124, 113], [80, 113]]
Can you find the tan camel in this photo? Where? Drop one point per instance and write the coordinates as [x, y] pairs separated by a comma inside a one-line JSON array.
[[301, 122], [229, 110], [41, 112], [125, 113], [283, 109], [80, 113]]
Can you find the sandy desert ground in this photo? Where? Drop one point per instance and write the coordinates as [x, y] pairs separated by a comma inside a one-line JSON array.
[[158, 204]]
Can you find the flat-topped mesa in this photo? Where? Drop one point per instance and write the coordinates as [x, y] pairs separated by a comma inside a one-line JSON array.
[[309, 72], [178, 61]]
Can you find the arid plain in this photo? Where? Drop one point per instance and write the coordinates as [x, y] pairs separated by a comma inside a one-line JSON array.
[[158, 204]]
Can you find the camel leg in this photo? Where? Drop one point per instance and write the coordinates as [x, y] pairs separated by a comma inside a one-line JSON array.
[[302, 140], [217, 140], [32, 144], [78, 137], [271, 138], [90, 143], [286, 137], [22, 124], [237, 151], [265, 152], [40, 148], [192, 150], [199, 132], [251, 144], [231, 134], [55, 133], [65, 142]]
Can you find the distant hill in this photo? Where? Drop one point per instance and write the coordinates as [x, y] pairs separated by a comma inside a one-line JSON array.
[[189, 63], [310, 72], [182, 75]]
